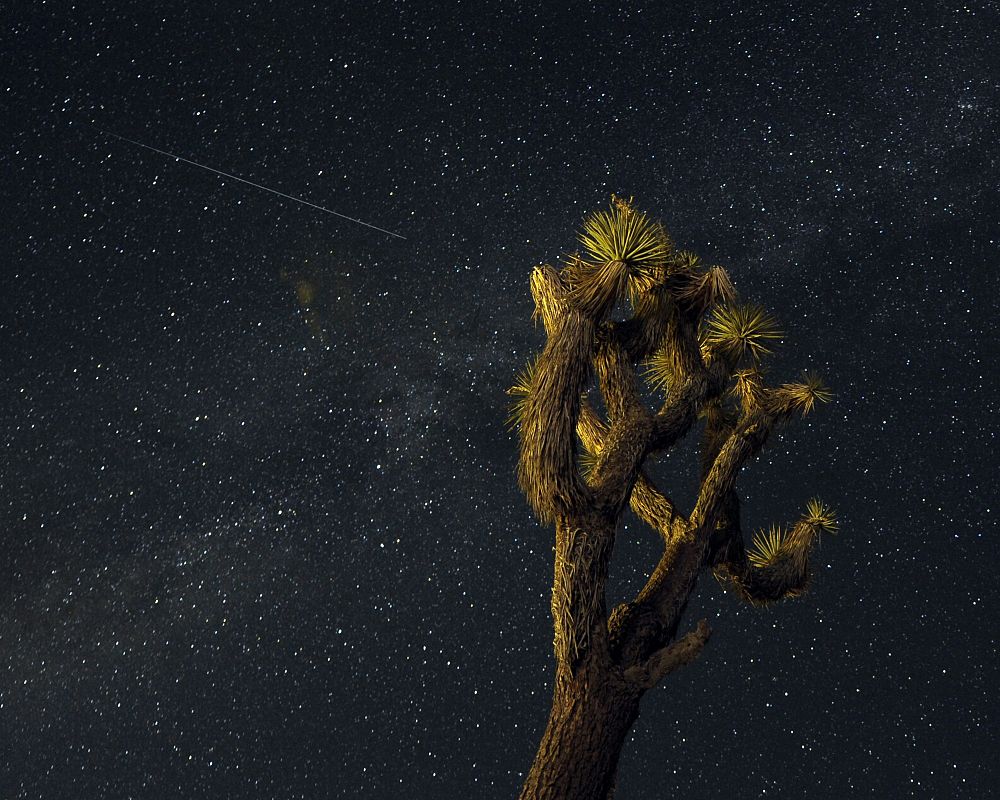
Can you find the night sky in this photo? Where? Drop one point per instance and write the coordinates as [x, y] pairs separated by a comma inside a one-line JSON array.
[[261, 535]]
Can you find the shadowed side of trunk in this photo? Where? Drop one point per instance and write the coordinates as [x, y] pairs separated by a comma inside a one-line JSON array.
[[578, 754]]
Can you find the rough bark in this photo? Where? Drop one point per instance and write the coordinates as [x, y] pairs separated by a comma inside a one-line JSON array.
[[578, 755]]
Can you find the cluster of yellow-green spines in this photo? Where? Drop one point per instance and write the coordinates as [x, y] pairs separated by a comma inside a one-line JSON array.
[[741, 330], [625, 250], [659, 372], [748, 387], [628, 237], [770, 546], [705, 288], [521, 392], [587, 460], [803, 396], [821, 516]]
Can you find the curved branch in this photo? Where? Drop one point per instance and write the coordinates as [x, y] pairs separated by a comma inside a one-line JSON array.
[[778, 568], [667, 659], [742, 444], [680, 411], [547, 471], [616, 376], [651, 620], [649, 504], [619, 461], [656, 509]]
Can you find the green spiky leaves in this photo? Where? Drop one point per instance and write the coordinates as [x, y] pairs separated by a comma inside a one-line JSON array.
[[802, 397], [736, 331], [769, 547], [660, 370], [625, 249], [776, 544], [686, 261], [521, 393], [587, 460], [704, 289], [748, 387], [626, 236], [820, 516]]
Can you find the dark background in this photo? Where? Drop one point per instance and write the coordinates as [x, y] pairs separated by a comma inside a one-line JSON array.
[[260, 532]]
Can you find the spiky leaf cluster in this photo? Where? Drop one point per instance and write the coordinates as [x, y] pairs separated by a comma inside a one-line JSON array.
[[686, 261], [624, 249], [802, 397], [820, 516], [769, 547], [705, 289], [586, 461], [659, 373], [736, 331], [627, 236], [521, 392], [748, 387]]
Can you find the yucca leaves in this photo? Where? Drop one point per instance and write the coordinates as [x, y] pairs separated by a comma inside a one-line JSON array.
[[779, 557], [748, 387], [791, 397], [586, 461], [706, 289], [595, 287], [624, 249], [659, 373], [740, 330], [686, 261], [768, 547], [626, 235], [521, 392], [820, 516]]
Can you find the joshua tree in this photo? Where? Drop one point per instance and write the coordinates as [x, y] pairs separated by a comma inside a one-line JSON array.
[[581, 464]]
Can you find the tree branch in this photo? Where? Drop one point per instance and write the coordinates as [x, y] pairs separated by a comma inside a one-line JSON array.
[[680, 411], [616, 376], [779, 567], [620, 460], [650, 504], [547, 471], [652, 618], [667, 659]]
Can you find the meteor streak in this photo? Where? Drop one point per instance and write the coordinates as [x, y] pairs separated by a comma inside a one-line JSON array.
[[249, 183]]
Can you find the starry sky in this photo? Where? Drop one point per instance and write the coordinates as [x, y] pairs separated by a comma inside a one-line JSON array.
[[261, 536]]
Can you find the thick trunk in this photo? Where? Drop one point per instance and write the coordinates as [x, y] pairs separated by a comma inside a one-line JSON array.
[[578, 756]]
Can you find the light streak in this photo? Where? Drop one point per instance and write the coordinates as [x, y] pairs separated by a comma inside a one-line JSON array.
[[249, 183]]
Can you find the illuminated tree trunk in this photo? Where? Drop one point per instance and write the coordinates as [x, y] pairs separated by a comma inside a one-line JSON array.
[[580, 468], [578, 755]]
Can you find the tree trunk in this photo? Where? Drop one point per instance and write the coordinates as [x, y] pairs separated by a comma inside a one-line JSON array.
[[578, 756]]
